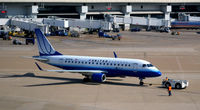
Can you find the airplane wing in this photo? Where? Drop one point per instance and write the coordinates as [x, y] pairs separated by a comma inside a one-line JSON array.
[[85, 72]]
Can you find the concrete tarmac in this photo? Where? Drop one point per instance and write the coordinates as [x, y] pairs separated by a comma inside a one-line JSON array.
[[24, 87]]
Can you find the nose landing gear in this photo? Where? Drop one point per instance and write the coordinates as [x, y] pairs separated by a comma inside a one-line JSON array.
[[141, 81]]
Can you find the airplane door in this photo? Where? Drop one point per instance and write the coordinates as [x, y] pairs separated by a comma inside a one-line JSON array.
[[61, 61], [135, 67]]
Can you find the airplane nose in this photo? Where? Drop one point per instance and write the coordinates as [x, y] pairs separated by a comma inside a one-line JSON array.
[[158, 73]]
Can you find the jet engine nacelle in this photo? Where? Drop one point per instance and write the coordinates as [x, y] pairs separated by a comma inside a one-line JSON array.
[[98, 77]]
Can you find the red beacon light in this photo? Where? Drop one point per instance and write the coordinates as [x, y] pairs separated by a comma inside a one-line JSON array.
[[109, 7], [3, 11], [182, 7]]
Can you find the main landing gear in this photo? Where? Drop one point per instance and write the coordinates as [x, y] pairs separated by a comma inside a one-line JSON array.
[[86, 79], [141, 81]]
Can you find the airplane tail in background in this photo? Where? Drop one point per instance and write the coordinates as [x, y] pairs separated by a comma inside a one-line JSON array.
[[44, 46]]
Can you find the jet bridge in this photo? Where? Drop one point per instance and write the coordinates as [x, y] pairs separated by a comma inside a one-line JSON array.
[[144, 21], [28, 24], [93, 24], [107, 24]]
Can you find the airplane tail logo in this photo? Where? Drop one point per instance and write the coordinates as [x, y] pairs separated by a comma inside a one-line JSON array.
[[44, 46]]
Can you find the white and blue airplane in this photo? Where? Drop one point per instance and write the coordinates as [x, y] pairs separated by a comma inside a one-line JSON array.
[[93, 68]]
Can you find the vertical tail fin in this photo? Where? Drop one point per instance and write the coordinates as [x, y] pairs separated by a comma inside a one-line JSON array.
[[44, 46]]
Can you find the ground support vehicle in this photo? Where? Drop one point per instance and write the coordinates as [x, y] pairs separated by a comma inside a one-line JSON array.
[[177, 84]]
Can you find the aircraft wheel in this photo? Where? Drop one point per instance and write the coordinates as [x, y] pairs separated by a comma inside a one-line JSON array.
[[141, 83], [86, 79]]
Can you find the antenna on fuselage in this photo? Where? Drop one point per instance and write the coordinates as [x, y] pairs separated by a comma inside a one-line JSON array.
[[115, 55]]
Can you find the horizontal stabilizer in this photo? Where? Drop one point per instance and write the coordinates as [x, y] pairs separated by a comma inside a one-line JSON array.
[[38, 67], [40, 58], [36, 58]]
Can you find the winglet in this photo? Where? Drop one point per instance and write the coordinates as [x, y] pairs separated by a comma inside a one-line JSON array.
[[115, 54], [39, 67]]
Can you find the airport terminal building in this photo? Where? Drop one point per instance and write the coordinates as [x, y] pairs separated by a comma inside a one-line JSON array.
[[95, 9], [96, 14]]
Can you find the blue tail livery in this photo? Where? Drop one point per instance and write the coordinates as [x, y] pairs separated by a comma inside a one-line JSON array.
[[44, 47]]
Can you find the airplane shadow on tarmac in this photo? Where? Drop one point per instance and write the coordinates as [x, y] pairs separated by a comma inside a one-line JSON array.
[[69, 81]]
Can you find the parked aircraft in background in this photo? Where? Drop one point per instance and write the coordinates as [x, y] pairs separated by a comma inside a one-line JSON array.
[[93, 68]]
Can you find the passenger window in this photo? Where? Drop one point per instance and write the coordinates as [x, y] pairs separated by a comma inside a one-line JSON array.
[[121, 64]]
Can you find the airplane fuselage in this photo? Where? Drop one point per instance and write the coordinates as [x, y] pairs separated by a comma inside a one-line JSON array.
[[113, 66], [93, 68]]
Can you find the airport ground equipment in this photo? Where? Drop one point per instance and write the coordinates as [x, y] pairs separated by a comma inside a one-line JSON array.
[[59, 33], [101, 33], [164, 29], [135, 30], [5, 35], [175, 33], [178, 84], [116, 30], [17, 42], [74, 34], [16, 33], [118, 37], [2, 33], [113, 37], [30, 40], [186, 24]]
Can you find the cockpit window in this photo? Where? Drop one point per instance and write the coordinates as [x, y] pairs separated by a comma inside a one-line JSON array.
[[144, 65], [147, 65]]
